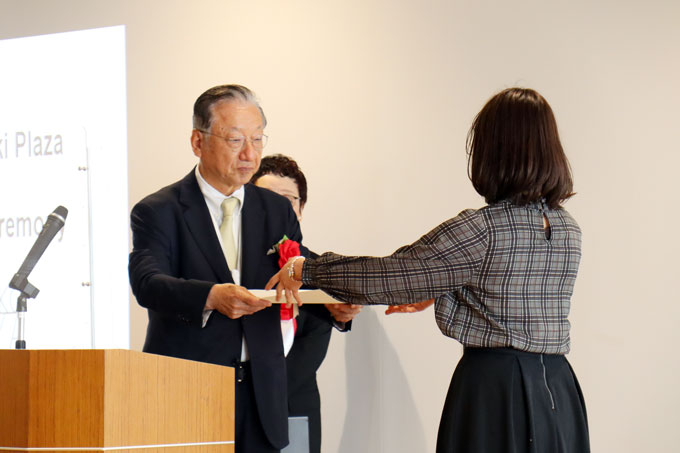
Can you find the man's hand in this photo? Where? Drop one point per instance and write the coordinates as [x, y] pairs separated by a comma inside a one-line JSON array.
[[409, 308], [234, 301], [343, 312]]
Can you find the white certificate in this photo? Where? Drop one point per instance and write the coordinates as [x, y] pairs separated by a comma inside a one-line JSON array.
[[308, 296]]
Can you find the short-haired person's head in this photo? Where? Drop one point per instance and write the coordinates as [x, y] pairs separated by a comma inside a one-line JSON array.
[[203, 113], [514, 151], [283, 175], [280, 165]]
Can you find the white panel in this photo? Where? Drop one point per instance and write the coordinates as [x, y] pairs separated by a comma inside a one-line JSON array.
[[63, 142]]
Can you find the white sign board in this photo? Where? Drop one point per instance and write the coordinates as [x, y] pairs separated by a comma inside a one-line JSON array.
[[63, 141]]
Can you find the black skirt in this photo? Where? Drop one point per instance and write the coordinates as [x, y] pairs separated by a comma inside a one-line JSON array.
[[505, 400]]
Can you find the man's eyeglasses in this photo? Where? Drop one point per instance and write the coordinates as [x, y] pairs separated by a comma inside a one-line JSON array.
[[258, 142]]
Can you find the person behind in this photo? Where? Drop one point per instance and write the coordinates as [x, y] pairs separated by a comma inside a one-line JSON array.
[[199, 243], [282, 175], [502, 277]]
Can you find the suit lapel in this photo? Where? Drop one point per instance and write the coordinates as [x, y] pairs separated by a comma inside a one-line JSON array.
[[253, 248], [200, 224]]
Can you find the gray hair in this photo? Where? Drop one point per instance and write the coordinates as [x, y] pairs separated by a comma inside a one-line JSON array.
[[203, 106]]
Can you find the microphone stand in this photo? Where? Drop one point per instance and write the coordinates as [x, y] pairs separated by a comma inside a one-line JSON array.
[[51, 227], [27, 291], [21, 319]]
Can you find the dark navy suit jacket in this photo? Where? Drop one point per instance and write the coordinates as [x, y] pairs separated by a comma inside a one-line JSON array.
[[177, 258]]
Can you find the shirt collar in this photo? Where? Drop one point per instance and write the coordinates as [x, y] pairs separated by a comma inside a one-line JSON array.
[[214, 197]]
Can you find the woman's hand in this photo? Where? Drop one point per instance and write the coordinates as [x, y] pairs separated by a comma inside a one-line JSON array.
[[409, 308], [286, 281]]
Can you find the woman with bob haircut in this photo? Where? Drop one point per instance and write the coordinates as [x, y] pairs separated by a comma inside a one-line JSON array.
[[501, 276]]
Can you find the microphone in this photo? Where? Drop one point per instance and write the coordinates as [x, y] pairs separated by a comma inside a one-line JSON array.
[[55, 221]]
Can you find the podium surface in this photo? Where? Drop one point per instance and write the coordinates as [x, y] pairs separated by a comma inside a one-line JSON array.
[[113, 400]]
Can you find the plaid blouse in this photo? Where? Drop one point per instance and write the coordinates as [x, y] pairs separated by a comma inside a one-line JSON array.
[[498, 278]]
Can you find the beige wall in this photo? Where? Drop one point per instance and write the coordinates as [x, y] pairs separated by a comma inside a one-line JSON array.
[[374, 98]]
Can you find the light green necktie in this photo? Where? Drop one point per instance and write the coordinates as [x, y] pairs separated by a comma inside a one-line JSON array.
[[227, 231]]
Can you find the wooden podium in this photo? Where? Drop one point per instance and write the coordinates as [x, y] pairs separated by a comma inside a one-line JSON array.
[[113, 400]]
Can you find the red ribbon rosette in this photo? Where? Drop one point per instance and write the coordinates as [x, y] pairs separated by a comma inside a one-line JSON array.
[[287, 250]]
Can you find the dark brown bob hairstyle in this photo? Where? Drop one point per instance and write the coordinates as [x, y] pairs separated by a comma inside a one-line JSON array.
[[280, 165], [514, 151]]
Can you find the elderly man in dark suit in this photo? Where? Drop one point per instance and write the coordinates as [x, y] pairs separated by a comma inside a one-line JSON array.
[[199, 243]]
